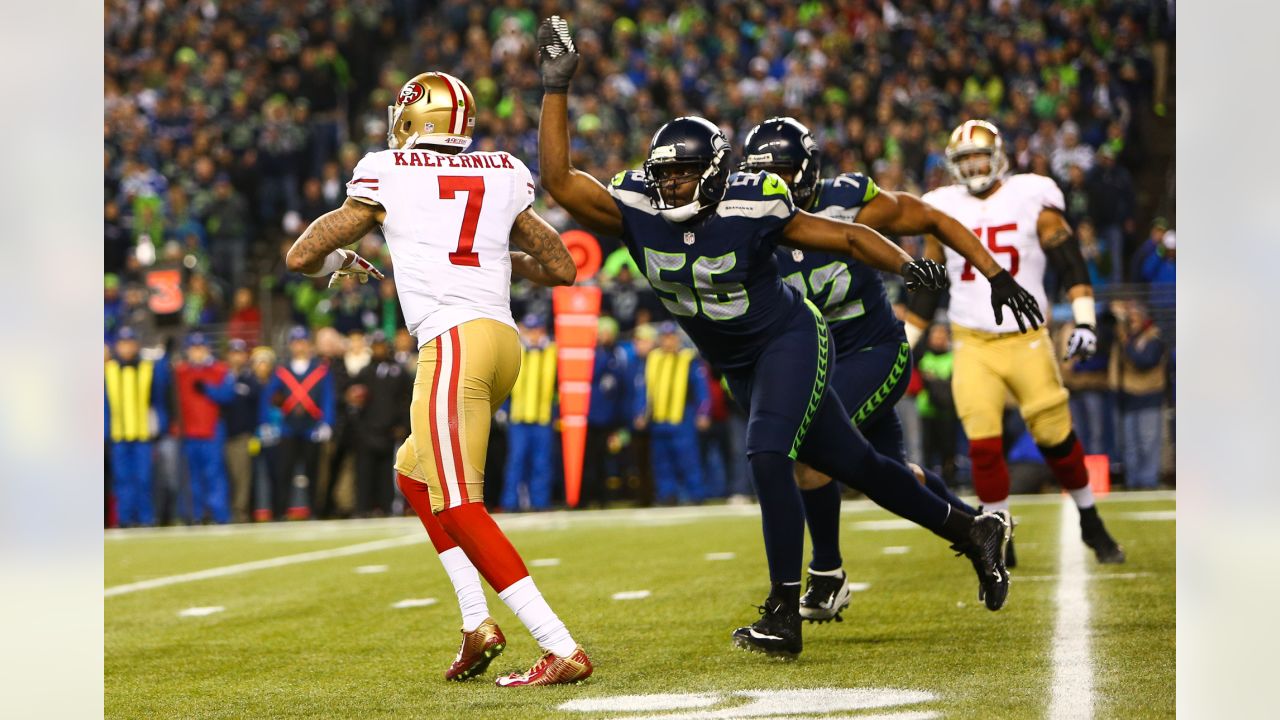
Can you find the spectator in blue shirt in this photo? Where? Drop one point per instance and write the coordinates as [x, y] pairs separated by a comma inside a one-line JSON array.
[[609, 416]]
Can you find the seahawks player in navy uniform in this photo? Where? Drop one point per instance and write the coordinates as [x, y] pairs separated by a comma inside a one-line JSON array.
[[873, 356], [706, 241]]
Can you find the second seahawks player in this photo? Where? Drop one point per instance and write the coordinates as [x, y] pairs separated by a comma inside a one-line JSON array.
[[873, 355]]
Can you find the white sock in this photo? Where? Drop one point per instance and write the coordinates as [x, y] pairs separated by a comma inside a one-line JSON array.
[[826, 573], [526, 602], [1083, 497], [997, 505], [466, 583]]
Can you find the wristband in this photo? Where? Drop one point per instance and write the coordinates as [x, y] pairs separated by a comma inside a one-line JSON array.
[[913, 333], [333, 262], [1084, 312]]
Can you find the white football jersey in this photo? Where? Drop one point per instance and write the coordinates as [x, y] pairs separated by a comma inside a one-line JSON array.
[[448, 226], [1005, 223]]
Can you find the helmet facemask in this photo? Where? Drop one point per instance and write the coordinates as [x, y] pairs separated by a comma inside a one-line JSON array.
[[665, 171]]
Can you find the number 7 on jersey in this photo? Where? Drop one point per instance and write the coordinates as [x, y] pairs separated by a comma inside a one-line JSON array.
[[473, 186]]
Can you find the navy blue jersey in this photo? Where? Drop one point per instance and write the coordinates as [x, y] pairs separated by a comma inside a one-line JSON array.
[[850, 294], [718, 277]]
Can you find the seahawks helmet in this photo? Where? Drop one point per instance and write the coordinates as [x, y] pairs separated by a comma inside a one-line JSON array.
[[685, 148], [784, 146]]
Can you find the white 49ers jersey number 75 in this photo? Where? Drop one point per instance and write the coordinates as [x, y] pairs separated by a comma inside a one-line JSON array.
[[448, 226], [1005, 223]]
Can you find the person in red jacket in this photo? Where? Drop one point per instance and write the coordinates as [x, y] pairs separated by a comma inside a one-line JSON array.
[[200, 426]]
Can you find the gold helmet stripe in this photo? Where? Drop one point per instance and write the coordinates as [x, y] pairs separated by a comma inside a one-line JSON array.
[[458, 117]]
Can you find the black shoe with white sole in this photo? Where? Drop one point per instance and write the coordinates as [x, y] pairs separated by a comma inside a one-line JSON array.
[[825, 597], [777, 633], [985, 549]]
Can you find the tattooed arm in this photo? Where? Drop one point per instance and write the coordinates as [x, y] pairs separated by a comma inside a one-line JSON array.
[[547, 261], [331, 232]]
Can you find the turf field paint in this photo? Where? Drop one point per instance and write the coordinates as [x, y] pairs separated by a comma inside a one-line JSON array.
[[885, 525], [413, 603], [859, 587], [1072, 684], [721, 556], [896, 550], [1095, 576], [227, 570], [200, 611], [370, 569], [1150, 516], [829, 703], [631, 595], [544, 562]]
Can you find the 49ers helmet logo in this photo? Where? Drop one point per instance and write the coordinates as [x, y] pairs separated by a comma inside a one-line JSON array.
[[411, 94]]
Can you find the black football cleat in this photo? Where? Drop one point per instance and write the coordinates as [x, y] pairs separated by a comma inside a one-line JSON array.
[[1095, 535], [825, 597], [777, 633], [987, 541]]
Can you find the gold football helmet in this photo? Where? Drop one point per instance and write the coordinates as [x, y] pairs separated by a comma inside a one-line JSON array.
[[975, 155], [433, 108]]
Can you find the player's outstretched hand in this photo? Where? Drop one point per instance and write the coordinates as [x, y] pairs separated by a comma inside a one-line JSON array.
[[559, 57], [356, 267], [1005, 291], [924, 274], [1083, 343]]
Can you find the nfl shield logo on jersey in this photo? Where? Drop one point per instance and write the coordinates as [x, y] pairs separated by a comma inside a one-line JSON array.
[[688, 238]]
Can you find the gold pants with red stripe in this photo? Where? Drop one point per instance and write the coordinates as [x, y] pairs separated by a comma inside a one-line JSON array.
[[990, 367], [464, 375]]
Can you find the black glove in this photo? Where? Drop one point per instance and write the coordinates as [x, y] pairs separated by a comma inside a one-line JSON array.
[[924, 274], [559, 58], [1006, 291], [1083, 343]]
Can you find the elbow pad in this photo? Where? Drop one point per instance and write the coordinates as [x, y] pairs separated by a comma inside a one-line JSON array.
[[1069, 262]]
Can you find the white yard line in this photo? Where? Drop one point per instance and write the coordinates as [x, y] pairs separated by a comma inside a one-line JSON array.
[[276, 562], [1072, 683]]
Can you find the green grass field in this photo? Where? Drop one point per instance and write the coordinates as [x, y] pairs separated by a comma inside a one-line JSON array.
[[321, 639]]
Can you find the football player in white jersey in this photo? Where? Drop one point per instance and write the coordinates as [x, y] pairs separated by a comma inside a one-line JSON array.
[[1020, 218], [449, 220]]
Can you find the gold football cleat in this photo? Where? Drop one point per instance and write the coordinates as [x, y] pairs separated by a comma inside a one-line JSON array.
[[552, 669], [479, 648]]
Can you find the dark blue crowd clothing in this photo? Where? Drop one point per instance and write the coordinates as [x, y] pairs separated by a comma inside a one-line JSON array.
[[851, 295], [240, 396], [529, 449], [208, 474], [305, 399], [611, 387]]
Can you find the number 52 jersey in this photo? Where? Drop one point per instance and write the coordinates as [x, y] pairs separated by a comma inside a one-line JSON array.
[[1005, 223], [448, 226]]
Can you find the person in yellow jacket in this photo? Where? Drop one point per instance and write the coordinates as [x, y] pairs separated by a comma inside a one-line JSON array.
[[136, 410], [530, 434]]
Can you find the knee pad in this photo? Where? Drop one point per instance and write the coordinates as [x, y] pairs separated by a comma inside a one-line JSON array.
[[1066, 460], [1052, 426]]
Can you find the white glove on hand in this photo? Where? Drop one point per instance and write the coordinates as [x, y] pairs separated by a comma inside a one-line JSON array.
[[322, 433], [357, 267], [1083, 343]]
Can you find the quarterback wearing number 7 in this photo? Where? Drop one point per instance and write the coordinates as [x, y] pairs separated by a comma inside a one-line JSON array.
[[449, 219]]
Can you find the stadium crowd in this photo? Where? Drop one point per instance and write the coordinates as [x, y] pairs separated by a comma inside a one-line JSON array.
[[229, 126]]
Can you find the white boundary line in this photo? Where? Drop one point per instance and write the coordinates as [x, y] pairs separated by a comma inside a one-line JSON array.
[[561, 519], [237, 569], [1072, 655]]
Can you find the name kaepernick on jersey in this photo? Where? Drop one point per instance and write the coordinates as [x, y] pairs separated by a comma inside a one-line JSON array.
[[1005, 222], [448, 226], [473, 161]]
